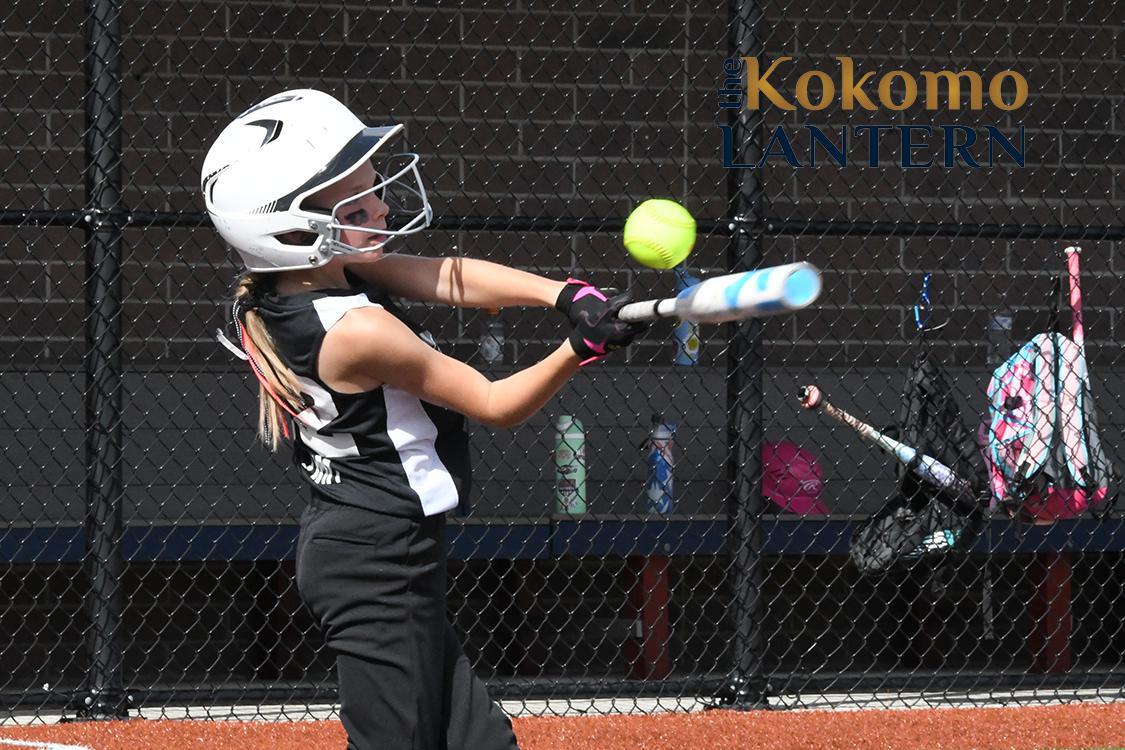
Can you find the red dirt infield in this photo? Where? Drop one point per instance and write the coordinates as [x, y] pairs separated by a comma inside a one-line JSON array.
[[1061, 727]]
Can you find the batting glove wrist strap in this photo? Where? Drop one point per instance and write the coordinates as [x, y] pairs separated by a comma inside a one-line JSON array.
[[580, 300], [600, 331]]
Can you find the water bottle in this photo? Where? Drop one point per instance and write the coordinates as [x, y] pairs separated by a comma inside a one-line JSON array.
[[658, 487], [687, 331], [570, 466], [492, 341]]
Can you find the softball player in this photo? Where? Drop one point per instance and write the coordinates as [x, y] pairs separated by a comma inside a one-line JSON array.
[[303, 191]]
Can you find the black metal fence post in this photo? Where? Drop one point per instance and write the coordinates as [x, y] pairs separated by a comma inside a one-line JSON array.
[[746, 688], [104, 695]]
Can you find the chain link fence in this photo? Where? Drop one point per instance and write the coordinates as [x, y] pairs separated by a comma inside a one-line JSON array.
[[146, 552]]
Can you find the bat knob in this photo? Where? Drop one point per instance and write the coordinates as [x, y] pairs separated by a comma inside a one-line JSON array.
[[810, 397]]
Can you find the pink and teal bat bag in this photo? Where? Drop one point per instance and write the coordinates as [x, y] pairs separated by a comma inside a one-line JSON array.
[[1044, 455]]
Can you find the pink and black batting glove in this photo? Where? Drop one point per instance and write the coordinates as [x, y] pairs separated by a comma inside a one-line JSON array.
[[599, 330]]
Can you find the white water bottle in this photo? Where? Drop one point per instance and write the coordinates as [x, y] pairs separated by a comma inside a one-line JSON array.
[[570, 466]]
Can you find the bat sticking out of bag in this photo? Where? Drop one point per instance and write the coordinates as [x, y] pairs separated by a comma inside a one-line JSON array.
[[929, 469]]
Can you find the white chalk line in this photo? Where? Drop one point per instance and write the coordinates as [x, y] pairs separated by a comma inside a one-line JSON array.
[[41, 745]]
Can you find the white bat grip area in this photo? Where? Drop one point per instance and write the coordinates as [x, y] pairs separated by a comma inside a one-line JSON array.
[[648, 310]]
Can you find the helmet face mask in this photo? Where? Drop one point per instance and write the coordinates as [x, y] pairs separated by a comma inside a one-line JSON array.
[[398, 185], [262, 169]]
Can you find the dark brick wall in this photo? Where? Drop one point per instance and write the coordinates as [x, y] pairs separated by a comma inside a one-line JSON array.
[[523, 109]]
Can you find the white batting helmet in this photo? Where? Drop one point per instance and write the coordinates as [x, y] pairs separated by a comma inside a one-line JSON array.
[[282, 150]]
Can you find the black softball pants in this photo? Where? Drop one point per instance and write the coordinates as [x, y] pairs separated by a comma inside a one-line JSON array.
[[377, 584]]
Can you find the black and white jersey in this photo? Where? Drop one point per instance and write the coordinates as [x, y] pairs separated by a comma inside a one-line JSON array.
[[385, 450]]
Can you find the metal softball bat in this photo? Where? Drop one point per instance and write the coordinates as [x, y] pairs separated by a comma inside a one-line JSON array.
[[926, 467], [750, 294]]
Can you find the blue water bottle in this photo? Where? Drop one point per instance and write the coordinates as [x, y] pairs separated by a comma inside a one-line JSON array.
[[687, 332], [658, 487]]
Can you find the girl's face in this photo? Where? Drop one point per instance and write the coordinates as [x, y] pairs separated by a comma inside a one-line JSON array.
[[366, 211]]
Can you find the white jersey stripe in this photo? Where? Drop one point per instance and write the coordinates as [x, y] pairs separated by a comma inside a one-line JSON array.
[[413, 435]]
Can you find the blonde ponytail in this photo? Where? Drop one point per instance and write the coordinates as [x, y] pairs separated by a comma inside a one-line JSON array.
[[279, 392]]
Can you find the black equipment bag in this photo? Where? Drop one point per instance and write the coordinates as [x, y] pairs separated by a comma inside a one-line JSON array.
[[921, 519]]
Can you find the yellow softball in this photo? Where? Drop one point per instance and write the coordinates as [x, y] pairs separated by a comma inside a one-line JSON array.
[[659, 233]]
